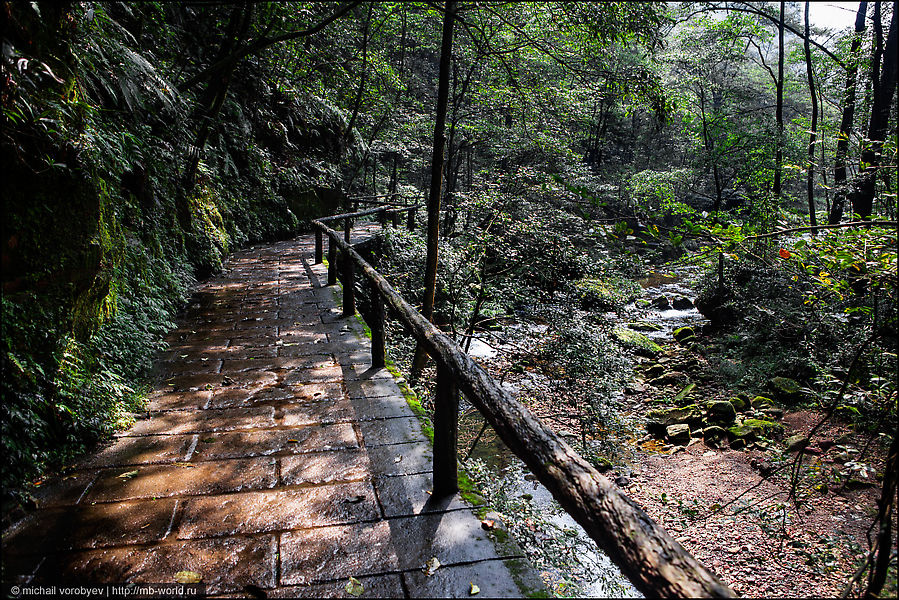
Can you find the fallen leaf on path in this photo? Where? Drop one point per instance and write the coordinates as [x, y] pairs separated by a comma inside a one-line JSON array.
[[128, 475], [354, 587], [184, 465], [473, 589], [488, 524], [431, 566], [354, 499], [188, 577]]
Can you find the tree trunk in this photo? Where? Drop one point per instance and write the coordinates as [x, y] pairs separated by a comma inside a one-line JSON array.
[[884, 88], [813, 136], [839, 163], [779, 109], [210, 105], [434, 194]]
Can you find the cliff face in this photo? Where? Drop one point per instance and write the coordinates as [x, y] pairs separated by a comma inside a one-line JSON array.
[[95, 261]]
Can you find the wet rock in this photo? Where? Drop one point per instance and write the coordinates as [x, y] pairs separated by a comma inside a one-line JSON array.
[[622, 481], [661, 303], [737, 444], [682, 303], [784, 388], [602, 464], [721, 412], [684, 334], [678, 434], [796, 443], [642, 303]]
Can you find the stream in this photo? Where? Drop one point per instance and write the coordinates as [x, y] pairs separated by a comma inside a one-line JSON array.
[[596, 575]]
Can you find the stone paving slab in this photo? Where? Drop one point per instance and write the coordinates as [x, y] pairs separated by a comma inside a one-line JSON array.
[[271, 459]]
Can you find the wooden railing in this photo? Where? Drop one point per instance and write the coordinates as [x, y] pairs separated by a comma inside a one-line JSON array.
[[653, 561]]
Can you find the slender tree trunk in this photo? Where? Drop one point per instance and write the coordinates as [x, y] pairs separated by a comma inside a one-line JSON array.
[[210, 104], [884, 88], [364, 72], [434, 194], [885, 516], [779, 110], [839, 164], [813, 136]]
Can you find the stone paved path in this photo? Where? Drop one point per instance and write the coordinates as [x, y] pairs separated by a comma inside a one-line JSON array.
[[273, 460]]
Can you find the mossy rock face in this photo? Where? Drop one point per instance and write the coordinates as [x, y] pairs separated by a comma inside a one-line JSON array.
[[784, 388], [670, 378], [641, 344], [684, 334], [765, 428], [739, 404], [721, 412]]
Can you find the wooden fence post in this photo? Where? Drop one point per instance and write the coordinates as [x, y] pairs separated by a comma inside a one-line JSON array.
[[332, 261], [382, 218], [446, 429], [347, 225], [378, 352], [349, 290], [318, 246], [395, 218], [410, 223]]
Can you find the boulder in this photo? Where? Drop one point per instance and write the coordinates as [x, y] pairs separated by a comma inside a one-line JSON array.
[[796, 443], [654, 371], [739, 404], [721, 412], [684, 334], [678, 434], [681, 396], [659, 419], [761, 402], [661, 303], [642, 303], [671, 378], [713, 432], [682, 303], [784, 388], [639, 343], [762, 427], [738, 443]]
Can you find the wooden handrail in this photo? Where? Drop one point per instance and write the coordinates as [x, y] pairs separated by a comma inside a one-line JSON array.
[[653, 561]]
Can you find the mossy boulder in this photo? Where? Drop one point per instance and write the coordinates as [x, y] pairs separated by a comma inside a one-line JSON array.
[[661, 303], [796, 442], [721, 412], [784, 388], [659, 419], [741, 432], [681, 396], [761, 402], [654, 371], [605, 294], [638, 342], [714, 433], [763, 427], [684, 334], [739, 404]]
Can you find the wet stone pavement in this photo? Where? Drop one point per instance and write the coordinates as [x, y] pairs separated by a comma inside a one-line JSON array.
[[272, 461]]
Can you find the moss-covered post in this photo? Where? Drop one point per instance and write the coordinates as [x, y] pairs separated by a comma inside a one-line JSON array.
[[332, 261], [349, 288], [446, 428], [318, 246], [376, 324]]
